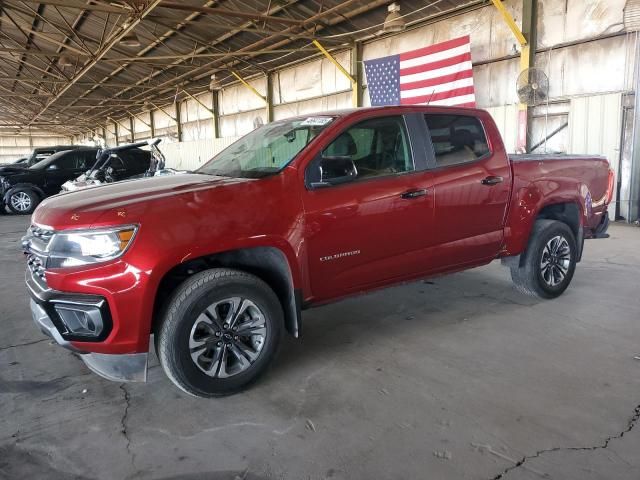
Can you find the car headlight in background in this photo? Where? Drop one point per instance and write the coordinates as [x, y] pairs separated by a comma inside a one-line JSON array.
[[85, 247]]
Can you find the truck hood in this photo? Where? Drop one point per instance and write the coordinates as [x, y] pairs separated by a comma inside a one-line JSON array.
[[127, 201]]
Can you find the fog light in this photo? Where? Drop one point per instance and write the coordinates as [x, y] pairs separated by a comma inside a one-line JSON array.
[[82, 320]]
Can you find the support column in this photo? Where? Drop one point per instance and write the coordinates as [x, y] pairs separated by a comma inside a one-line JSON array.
[[528, 59], [152, 124], [178, 121], [216, 113], [634, 185], [117, 132], [269, 98], [357, 73], [132, 130], [528, 40]]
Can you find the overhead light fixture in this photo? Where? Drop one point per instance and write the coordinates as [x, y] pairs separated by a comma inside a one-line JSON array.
[[65, 61], [394, 21], [130, 40], [214, 84]]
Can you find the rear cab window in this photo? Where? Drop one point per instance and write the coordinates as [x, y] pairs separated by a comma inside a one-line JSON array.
[[457, 139]]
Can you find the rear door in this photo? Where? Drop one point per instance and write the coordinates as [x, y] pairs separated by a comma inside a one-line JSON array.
[[472, 182], [371, 230]]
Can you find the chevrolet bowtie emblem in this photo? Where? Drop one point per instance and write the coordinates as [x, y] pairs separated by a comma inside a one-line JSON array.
[[75, 216]]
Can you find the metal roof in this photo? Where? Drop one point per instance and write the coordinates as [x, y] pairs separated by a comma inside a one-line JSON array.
[[181, 45]]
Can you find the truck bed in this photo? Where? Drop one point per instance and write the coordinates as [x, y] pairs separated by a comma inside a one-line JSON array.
[[541, 157]]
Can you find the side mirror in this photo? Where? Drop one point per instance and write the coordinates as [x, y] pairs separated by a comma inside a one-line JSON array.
[[335, 171]]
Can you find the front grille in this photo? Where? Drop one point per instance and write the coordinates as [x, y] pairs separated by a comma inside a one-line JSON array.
[[35, 245]]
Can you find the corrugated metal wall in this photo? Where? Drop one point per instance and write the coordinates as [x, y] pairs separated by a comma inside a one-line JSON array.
[[595, 127], [192, 155], [14, 146]]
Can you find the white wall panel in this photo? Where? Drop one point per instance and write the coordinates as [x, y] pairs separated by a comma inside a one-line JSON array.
[[13, 147], [506, 118], [239, 98], [319, 77], [591, 68], [192, 155], [595, 125], [322, 104], [241, 123], [572, 20]]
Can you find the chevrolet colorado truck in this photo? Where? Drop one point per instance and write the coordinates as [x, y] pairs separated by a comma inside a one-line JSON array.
[[216, 265]]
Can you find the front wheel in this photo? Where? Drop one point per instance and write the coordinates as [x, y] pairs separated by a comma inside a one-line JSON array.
[[547, 266], [219, 333], [23, 201]]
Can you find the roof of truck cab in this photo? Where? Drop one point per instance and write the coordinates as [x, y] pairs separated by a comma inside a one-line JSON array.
[[409, 108]]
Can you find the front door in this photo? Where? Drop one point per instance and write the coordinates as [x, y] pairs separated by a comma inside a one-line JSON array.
[[472, 188], [371, 230], [68, 166]]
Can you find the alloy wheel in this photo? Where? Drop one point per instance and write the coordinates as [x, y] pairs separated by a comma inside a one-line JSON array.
[[555, 261], [21, 201], [227, 337]]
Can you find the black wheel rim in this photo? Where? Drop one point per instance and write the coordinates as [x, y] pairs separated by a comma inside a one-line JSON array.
[[555, 261], [228, 337]]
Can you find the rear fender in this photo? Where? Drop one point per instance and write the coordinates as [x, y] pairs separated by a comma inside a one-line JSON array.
[[530, 205]]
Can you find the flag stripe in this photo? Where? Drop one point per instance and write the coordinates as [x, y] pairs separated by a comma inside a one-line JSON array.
[[455, 101], [443, 87], [438, 47], [436, 57], [436, 98], [432, 82], [463, 59]]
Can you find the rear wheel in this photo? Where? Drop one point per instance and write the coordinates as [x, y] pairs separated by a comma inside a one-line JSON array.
[[219, 333], [23, 201], [547, 266]]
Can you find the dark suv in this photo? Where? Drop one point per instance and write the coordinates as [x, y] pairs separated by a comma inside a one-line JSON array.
[[21, 189], [38, 154]]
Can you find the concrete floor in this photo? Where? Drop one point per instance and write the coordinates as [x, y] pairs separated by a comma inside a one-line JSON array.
[[457, 378]]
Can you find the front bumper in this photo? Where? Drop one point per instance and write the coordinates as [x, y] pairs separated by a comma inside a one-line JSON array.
[[131, 367]]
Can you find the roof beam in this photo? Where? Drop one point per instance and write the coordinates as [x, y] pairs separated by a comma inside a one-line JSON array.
[[84, 6], [308, 23], [223, 12], [127, 27]]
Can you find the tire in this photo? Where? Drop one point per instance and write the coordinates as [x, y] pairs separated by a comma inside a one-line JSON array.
[[547, 266], [200, 352], [23, 201]]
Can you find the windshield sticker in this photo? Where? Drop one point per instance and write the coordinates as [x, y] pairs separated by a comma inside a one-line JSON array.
[[316, 121]]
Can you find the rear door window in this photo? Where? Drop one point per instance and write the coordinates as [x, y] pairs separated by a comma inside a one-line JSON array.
[[456, 139]]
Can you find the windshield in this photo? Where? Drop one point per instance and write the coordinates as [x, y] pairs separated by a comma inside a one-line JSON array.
[[267, 150]]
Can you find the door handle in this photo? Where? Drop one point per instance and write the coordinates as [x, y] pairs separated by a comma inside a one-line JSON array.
[[414, 194], [490, 181]]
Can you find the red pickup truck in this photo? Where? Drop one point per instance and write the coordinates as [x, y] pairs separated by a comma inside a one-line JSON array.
[[218, 264]]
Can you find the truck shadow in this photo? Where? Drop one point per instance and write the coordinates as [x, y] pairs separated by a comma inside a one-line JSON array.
[[359, 323]]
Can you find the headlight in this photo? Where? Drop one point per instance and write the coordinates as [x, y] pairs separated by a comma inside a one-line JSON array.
[[84, 247]]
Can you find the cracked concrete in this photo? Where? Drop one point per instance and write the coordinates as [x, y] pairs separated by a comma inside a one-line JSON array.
[[458, 377], [604, 445]]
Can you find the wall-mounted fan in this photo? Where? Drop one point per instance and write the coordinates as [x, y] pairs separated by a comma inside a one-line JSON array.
[[533, 87]]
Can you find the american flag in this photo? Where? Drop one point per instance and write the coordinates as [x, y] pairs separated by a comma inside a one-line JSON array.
[[438, 75]]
